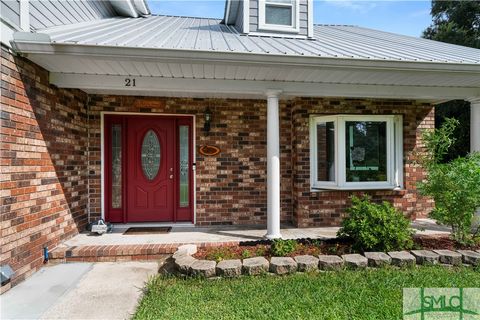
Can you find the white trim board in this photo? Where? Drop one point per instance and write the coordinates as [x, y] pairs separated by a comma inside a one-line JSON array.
[[102, 159], [157, 86]]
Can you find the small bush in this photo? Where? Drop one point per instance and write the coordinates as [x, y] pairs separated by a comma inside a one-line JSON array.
[[376, 227], [280, 247], [246, 254], [455, 185], [220, 254]]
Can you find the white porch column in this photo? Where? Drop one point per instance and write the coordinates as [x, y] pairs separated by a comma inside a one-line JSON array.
[[273, 166], [475, 124]]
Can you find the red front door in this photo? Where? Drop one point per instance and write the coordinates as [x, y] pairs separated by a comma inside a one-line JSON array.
[[150, 173], [148, 168]]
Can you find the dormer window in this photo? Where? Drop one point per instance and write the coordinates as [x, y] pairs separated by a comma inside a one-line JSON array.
[[279, 15]]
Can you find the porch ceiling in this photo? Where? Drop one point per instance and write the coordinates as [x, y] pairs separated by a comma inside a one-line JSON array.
[[232, 78]]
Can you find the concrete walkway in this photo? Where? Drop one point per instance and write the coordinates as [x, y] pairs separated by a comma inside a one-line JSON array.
[[79, 291], [191, 234]]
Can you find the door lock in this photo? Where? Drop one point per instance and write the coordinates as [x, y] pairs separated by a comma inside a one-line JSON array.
[[171, 176]]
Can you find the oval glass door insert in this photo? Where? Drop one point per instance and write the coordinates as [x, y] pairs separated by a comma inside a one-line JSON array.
[[150, 155]]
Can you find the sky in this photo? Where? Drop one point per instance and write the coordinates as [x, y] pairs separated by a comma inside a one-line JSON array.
[[409, 17]]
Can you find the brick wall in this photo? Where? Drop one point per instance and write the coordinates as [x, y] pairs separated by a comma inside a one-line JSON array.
[[43, 164], [327, 208], [231, 187]]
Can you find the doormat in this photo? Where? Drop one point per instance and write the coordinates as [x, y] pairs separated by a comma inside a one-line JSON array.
[[148, 230]]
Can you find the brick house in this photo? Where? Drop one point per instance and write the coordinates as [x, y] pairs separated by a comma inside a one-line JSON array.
[[261, 118]]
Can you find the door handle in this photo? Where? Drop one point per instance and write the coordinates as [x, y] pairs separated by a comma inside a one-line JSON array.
[[171, 176]]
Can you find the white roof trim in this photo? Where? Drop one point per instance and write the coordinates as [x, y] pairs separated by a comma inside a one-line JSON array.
[[40, 43]]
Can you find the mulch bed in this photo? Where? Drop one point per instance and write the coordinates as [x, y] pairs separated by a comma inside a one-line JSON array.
[[315, 247]]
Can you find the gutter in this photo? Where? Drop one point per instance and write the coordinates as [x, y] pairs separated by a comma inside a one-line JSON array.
[[38, 43]]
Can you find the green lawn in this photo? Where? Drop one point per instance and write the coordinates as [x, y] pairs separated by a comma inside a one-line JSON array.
[[369, 294]]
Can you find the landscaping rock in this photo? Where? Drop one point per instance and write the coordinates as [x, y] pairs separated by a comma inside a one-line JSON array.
[[189, 249], [470, 257], [203, 268], [255, 266], [449, 257], [330, 262], [355, 261], [402, 258], [229, 268], [377, 259], [183, 263], [282, 265], [425, 257], [306, 263]]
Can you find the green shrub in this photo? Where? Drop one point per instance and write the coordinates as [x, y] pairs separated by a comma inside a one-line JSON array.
[[376, 227], [219, 254], [280, 247], [246, 254], [455, 185]]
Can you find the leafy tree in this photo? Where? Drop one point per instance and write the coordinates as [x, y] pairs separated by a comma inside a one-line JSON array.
[[456, 22]]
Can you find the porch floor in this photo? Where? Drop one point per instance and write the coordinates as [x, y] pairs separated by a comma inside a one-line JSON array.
[[192, 234], [117, 246]]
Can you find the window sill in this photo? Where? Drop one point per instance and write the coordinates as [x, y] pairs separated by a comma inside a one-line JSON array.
[[276, 35], [359, 188], [279, 28]]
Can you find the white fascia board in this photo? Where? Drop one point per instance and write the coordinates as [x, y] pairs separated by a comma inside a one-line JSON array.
[[40, 45], [310, 18], [244, 88], [6, 34], [246, 16], [25, 15]]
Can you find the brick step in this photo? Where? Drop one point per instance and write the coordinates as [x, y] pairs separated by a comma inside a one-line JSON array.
[[104, 253], [111, 253]]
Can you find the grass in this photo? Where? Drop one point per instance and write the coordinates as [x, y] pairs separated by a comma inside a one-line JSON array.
[[367, 294]]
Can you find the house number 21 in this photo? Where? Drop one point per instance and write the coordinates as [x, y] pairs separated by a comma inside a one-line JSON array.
[[130, 82]]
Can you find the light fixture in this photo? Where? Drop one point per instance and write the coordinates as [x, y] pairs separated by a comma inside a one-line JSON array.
[[208, 118]]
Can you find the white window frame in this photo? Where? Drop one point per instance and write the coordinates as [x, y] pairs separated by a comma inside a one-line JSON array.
[[294, 28], [394, 153]]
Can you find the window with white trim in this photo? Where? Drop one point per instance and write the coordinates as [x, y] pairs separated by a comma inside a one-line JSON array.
[[279, 15], [351, 152]]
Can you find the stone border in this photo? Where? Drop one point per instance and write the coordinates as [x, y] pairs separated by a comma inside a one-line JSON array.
[[188, 265]]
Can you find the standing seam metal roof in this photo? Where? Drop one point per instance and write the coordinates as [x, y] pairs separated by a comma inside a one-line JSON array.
[[205, 34]]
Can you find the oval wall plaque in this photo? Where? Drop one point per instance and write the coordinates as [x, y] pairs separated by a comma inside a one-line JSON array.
[[209, 150]]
